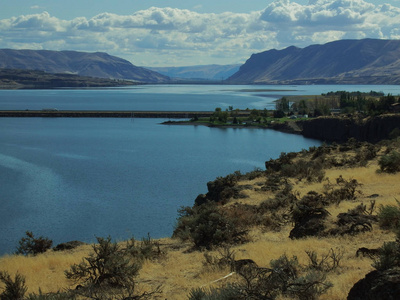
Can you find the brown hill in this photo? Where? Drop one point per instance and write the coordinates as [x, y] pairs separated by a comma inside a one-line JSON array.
[[367, 61], [97, 64]]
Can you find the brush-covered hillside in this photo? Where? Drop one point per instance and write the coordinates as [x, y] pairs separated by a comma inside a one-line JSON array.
[[310, 226]]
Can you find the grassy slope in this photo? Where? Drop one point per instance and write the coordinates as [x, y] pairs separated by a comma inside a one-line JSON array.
[[179, 270]]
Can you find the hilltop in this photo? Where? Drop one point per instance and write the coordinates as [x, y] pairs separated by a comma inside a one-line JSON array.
[[312, 210], [98, 64], [366, 61]]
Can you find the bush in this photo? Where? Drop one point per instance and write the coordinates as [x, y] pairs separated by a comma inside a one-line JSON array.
[[310, 170], [327, 262], [109, 269], [207, 226], [220, 190], [390, 162], [146, 249], [229, 292], [389, 216], [14, 289], [347, 190], [282, 278], [389, 256], [31, 245]]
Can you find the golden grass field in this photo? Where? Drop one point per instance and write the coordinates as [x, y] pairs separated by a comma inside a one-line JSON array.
[[179, 270]]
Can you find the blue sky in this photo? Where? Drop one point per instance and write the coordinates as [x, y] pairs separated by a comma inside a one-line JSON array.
[[188, 32]]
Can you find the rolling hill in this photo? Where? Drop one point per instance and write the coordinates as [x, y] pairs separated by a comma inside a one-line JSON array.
[[101, 65], [366, 61]]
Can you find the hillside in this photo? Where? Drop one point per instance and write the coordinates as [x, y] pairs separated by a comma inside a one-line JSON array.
[[367, 61], [206, 72], [97, 64], [31, 79], [337, 187]]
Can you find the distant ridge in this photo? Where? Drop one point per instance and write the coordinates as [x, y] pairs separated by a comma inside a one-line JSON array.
[[367, 61], [204, 72], [98, 64]]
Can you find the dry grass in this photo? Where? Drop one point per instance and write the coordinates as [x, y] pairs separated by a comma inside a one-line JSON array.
[[45, 271], [180, 270]]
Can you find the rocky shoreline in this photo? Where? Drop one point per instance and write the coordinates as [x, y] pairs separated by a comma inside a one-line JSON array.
[[329, 129]]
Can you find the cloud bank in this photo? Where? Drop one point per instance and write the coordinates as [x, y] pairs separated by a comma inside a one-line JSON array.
[[173, 37]]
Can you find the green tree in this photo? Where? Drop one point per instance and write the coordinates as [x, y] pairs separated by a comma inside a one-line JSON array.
[[282, 104], [31, 245], [302, 107]]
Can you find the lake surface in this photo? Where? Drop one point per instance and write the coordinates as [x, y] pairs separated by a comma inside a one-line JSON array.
[[76, 178]]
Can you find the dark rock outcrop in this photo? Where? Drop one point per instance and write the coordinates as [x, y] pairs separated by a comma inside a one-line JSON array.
[[337, 129], [366, 61], [377, 285], [68, 246]]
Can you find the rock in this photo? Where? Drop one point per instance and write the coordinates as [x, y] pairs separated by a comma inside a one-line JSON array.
[[377, 285], [68, 245]]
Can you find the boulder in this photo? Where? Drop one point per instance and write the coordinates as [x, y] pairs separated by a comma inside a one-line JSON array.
[[377, 285], [68, 245]]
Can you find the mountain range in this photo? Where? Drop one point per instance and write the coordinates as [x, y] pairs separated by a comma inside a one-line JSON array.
[[201, 72], [366, 61], [99, 64]]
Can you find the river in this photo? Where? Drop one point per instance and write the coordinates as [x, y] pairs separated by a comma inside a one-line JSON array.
[[77, 178]]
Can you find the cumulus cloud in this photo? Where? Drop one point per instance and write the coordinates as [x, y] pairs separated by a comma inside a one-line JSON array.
[[170, 36]]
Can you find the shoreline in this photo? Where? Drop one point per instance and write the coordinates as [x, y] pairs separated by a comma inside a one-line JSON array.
[[55, 113]]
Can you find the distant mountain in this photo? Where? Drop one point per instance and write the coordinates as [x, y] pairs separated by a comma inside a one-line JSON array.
[[205, 72], [34, 79], [367, 61], [96, 64]]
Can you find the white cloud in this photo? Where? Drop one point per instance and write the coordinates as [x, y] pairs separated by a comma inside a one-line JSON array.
[[169, 36]]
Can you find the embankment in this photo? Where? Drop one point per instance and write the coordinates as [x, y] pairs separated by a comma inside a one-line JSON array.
[[340, 129]]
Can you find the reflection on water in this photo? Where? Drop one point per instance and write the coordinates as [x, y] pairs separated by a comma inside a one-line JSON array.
[[74, 179]]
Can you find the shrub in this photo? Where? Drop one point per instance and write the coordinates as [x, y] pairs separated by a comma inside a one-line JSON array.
[[327, 262], [31, 245], [229, 292], [389, 216], [394, 134], [220, 190], [110, 269], [283, 199], [225, 259], [308, 216], [347, 190], [310, 170], [389, 256], [146, 249], [390, 162], [14, 289], [282, 278], [207, 226]]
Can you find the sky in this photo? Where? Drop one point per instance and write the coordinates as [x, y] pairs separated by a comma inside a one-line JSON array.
[[158, 33]]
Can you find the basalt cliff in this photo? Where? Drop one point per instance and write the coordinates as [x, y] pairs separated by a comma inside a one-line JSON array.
[[340, 129]]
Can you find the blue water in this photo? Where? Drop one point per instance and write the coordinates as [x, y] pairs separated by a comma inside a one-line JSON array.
[[74, 179], [170, 97]]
